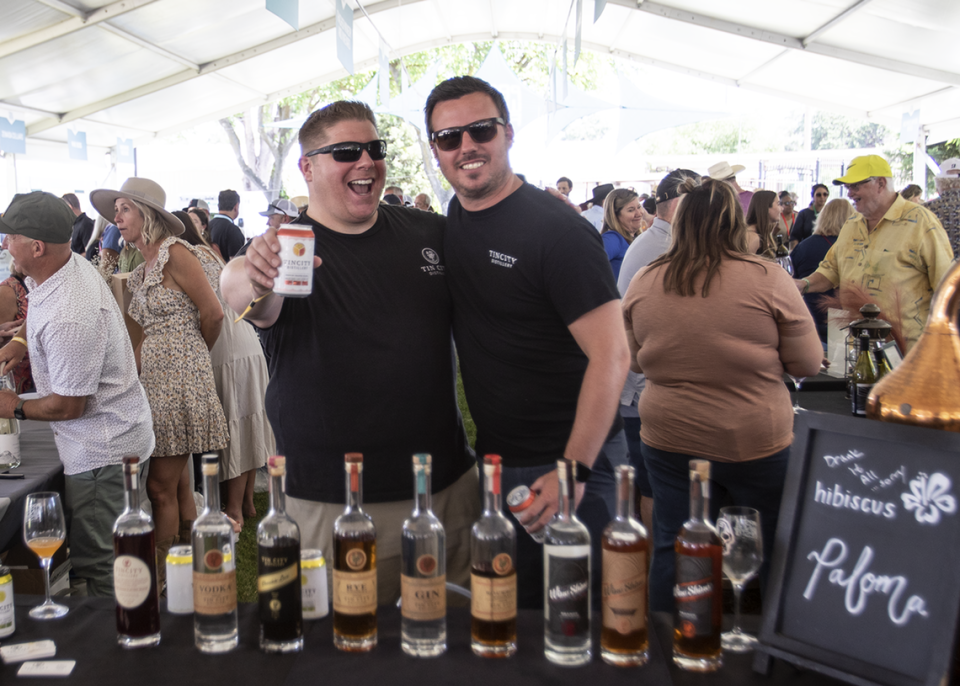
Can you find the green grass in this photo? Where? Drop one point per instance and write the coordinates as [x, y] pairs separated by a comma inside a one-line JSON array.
[[247, 543]]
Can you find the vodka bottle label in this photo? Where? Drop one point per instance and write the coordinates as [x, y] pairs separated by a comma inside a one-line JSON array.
[[694, 595], [424, 600], [568, 586], [624, 591], [131, 581], [493, 599], [354, 593], [215, 594]]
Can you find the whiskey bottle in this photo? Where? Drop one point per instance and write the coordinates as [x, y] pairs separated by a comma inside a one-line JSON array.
[[566, 579], [278, 567], [135, 567], [214, 569], [423, 591], [354, 567], [623, 637], [493, 573], [698, 594]]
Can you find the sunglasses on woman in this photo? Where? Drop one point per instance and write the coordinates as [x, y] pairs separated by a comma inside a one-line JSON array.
[[482, 131], [350, 151]]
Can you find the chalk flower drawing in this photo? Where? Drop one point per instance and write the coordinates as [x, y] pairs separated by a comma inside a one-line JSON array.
[[930, 496]]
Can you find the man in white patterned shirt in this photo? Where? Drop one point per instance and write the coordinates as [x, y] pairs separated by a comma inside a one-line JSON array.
[[86, 377]]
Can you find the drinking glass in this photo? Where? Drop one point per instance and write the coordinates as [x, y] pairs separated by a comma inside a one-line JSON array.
[[797, 380], [742, 555], [44, 529]]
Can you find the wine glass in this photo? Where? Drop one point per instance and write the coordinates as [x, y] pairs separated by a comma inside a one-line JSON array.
[[797, 380], [43, 531], [742, 556]]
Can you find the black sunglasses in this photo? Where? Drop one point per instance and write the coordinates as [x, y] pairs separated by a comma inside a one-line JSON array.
[[482, 131], [351, 151]]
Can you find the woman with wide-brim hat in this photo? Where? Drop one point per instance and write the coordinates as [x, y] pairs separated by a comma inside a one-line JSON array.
[[175, 302]]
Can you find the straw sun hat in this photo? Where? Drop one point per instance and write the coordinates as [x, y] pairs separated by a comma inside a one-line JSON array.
[[143, 191]]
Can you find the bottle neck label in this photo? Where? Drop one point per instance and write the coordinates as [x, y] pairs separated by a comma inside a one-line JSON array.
[[624, 591], [694, 595]]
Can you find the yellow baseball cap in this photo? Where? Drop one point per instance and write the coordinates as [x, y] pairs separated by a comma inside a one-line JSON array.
[[864, 167]]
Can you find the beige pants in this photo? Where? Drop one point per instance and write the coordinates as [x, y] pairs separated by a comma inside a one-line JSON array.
[[457, 507]]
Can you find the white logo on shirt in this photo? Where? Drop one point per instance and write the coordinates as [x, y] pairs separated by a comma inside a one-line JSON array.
[[430, 255], [501, 259]]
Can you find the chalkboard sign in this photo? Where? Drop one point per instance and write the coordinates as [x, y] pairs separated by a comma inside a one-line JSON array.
[[865, 579]]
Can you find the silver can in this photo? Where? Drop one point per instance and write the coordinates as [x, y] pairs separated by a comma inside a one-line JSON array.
[[180, 580], [313, 579], [295, 279], [518, 500]]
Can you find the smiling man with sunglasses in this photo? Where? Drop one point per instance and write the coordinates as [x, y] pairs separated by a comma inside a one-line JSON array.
[[365, 362], [893, 250], [537, 321]]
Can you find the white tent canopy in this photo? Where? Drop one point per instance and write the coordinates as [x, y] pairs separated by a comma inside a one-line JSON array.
[[147, 68]]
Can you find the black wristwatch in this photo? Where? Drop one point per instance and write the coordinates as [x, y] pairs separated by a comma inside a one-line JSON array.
[[18, 410], [583, 473]]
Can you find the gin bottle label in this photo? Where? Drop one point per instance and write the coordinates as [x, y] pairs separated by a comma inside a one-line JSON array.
[[424, 600], [568, 591], [694, 595], [354, 593], [624, 591]]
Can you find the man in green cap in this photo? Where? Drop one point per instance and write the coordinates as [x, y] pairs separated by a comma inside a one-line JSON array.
[[85, 373], [893, 250]]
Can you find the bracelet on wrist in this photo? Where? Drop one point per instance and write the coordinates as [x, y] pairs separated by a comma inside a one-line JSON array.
[[806, 286], [583, 473], [22, 341]]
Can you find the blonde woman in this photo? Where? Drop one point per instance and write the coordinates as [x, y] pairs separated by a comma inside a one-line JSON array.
[[811, 251], [175, 302], [622, 222]]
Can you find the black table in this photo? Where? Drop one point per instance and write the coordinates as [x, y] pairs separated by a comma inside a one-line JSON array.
[[40, 464], [87, 634]]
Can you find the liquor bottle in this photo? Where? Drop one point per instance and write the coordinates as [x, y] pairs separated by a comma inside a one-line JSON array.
[[214, 569], [493, 573], [699, 591], [862, 377], [354, 568], [623, 637], [566, 579], [278, 567], [423, 579], [135, 567], [883, 364]]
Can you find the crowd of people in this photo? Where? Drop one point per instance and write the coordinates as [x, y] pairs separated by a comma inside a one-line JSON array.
[[644, 331]]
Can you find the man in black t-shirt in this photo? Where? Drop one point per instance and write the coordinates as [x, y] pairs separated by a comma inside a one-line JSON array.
[[224, 234], [537, 321], [365, 362]]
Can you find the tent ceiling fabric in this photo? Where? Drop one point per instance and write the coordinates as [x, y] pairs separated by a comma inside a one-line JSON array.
[[147, 68]]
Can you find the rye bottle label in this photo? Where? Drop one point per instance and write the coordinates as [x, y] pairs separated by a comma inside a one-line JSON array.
[[354, 593]]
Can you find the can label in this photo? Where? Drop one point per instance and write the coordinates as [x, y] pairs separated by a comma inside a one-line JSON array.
[[7, 621], [295, 278]]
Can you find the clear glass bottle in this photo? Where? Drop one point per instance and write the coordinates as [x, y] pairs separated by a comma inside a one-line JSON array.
[[278, 568], [698, 594], [493, 572], [135, 567], [354, 567], [214, 569], [423, 576], [566, 579], [9, 430], [626, 556], [863, 376]]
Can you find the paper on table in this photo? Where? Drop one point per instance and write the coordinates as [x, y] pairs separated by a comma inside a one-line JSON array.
[[837, 342]]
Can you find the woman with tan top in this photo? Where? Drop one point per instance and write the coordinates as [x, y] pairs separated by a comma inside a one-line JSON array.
[[713, 328]]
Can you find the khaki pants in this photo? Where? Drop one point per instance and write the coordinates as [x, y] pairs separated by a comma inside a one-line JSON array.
[[457, 507]]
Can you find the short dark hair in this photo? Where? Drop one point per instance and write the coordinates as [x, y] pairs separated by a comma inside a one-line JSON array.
[[813, 191], [650, 205], [461, 86], [72, 200], [317, 124], [564, 178], [227, 200]]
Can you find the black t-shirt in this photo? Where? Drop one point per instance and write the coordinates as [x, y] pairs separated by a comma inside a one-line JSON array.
[[226, 235], [82, 231], [521, 272], [365, 363]]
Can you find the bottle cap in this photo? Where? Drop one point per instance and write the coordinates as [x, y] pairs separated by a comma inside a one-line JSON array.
[[423, 459], [491, 459], [210, 464], [701, 468], [276, 465], [353, 459]]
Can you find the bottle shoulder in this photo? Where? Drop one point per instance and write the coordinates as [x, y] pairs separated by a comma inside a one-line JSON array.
[[626, 530]]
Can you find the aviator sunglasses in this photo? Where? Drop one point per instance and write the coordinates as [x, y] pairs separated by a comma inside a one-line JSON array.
[[482, 131], [351, 151]]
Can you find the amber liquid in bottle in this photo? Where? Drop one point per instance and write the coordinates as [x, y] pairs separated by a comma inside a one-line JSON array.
[[698, 594], [498, 639], [354, 568], [626, 550]]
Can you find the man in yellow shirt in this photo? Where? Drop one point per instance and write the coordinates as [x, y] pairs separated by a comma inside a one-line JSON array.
[[894, 250]]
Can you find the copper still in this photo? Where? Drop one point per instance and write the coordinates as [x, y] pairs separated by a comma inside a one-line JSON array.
[[924, 390]]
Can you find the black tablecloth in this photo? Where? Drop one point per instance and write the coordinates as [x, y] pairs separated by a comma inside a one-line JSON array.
[[41, 467], [88, 635]]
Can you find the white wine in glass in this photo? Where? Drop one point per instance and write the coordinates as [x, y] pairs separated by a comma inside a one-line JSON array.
[[742, 556], [44, 530]]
